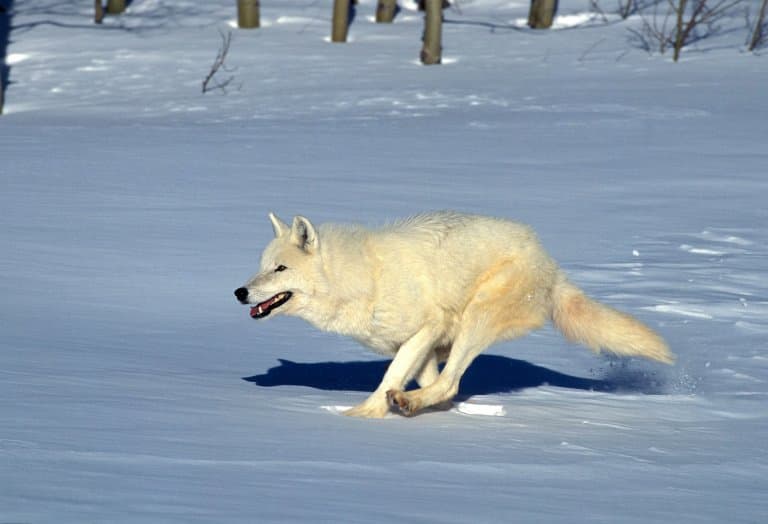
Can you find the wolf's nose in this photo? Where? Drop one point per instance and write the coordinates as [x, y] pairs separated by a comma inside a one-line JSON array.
[[241, 293]]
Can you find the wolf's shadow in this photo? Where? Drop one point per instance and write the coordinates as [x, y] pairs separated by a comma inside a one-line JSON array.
[[487, 375]]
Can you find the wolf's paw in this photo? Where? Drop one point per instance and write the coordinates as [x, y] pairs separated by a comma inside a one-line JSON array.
[[368, 410], [400, 400]]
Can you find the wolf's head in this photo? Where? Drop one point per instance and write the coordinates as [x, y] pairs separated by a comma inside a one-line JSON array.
[[285, 282]]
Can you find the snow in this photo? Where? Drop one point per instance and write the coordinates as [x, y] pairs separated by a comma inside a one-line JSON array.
[[134, 389]]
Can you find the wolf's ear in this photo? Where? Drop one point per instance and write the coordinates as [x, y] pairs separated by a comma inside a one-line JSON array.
[[280, 227], [303, 234]]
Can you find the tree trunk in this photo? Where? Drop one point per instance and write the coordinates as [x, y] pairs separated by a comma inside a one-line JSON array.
[[248, 14], [115, 7], [385, 11], [680, 31], [432, 48], [420, 4], [757, 34], [98, 12], [340, 23], [5, 32], [542, 14]]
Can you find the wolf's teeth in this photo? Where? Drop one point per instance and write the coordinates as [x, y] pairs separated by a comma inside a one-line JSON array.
[[258, 310]]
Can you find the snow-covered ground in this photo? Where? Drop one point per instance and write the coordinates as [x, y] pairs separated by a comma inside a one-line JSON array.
[[134, 389]]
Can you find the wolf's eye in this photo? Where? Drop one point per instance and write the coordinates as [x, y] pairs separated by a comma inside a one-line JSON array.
[[280, 268]]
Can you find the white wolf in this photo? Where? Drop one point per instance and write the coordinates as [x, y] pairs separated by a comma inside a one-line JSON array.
[[438, 287]]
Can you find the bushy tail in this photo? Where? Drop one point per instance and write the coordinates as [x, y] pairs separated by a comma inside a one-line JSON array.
[[600, 327]]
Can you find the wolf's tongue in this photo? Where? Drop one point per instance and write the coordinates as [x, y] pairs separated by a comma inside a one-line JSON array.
[[260, 309]]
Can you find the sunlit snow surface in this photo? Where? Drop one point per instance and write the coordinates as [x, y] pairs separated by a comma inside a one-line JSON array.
[[134, 389]]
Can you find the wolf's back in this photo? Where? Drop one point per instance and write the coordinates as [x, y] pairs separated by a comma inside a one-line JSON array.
[[600, 327]]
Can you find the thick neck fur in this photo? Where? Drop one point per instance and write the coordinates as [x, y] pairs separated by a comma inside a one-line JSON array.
[[346, 285]]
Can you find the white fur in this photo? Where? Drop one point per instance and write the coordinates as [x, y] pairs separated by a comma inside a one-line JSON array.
[[438, 287]]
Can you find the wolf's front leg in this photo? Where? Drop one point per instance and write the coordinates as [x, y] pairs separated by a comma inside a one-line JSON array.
[[409, 360]]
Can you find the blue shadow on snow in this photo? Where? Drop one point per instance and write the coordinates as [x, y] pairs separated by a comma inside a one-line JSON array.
[[488, 374]]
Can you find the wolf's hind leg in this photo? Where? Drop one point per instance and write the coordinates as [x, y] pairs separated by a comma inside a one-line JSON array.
[[428, 375], [440, 392], [501, 309], [429, 371], [413, 357]]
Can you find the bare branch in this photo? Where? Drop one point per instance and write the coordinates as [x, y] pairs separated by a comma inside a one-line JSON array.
[[688, 18], [594, 5], [218, 64], [760, 31]]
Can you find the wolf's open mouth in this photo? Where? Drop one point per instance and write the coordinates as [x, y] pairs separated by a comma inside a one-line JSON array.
[[266, 307]]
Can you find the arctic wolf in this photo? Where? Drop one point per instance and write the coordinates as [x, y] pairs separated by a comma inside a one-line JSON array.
[[438, 287]]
